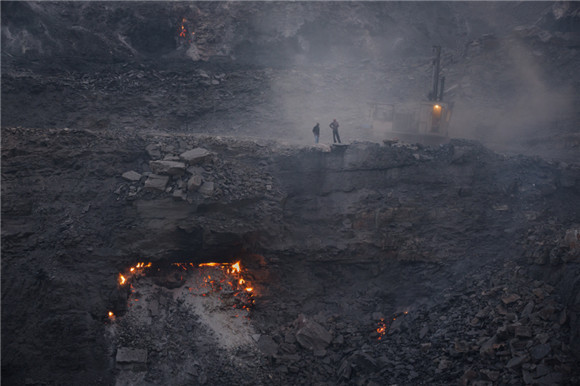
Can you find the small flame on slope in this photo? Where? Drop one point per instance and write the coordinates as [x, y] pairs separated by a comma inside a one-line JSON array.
[[183, 30], [382, 328]]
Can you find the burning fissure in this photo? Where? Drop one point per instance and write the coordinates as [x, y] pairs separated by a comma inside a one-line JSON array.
[[228, 282]]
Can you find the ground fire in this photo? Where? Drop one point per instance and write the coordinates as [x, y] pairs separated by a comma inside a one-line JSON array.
[[228, 281], [384, 326]]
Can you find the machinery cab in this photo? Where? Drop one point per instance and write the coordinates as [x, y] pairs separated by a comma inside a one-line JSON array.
[[424, 122]]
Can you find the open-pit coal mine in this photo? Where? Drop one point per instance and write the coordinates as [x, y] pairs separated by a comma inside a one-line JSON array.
[[171, 216]]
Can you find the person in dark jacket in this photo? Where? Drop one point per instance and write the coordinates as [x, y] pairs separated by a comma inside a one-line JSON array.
[[316, 131], [334, 126]]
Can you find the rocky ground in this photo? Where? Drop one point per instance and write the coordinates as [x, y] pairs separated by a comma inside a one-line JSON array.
[[370, 263]]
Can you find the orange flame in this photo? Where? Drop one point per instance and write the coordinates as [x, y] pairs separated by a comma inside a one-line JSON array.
[[132, 271], [209, 264], [238, 284], [183, 29], [111, 315], [382, 329]]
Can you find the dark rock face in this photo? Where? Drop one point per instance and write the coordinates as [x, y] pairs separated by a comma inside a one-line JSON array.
[[377, 213]]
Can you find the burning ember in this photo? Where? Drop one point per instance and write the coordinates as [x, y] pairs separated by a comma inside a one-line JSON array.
[[183, 32], [383, 326], [133, 271]]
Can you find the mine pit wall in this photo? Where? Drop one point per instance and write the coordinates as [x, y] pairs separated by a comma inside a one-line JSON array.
[[66, 235], [431, 204], [458, 204], [166, 232]]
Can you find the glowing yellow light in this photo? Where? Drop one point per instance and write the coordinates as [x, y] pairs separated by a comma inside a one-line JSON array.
[[111, 314], [436, 107], [209, 264]]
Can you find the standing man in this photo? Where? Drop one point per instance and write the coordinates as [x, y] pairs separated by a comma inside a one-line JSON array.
[[316, 131], [334, 126]]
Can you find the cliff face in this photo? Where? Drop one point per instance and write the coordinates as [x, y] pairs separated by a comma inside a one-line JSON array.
[[251, 32]]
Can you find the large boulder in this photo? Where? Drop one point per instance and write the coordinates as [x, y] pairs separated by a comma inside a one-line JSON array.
[[171, 168], [194, 156], [311, 335], [156, 182]]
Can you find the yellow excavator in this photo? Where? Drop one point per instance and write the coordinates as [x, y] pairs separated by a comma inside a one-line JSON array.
[[423, 122]]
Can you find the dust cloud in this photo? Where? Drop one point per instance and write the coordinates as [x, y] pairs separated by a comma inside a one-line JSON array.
[[514, 101], [505, 89]]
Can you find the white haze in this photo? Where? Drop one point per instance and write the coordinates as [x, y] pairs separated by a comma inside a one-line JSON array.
[[501, 94]]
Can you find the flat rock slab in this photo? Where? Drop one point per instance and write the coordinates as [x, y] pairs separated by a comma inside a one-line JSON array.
[[194, 156], [131, 355], [515, 362], [171, 168], [132, 176], [508, 299], [156, 182]]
